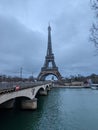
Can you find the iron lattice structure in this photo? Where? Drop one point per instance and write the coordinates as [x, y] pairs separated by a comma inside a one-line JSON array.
[[49, 60]]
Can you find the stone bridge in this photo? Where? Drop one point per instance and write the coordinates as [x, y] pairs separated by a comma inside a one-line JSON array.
[[28, 96]]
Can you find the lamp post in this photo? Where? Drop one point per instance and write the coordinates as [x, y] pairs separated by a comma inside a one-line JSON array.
[[21, 72]]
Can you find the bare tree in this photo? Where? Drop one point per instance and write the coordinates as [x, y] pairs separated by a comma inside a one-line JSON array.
[[94, 29]]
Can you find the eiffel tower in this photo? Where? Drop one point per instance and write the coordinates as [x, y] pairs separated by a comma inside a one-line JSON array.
[[49, 60]]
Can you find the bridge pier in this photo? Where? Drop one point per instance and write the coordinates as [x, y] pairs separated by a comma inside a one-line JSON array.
[[48, 89], [29, 104], [43, 92], [8, 105]]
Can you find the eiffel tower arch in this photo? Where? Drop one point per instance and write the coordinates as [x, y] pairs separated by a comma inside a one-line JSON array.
[[49, 67]]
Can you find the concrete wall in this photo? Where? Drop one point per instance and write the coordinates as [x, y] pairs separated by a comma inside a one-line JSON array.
[[76, 83]]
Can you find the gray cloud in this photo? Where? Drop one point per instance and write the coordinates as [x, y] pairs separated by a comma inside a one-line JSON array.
[[19, 46], [23, 36]]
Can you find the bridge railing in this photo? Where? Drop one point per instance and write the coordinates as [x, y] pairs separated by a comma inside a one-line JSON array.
[[11, 86]]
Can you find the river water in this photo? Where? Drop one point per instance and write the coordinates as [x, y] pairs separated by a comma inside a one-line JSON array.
[[62, 109]]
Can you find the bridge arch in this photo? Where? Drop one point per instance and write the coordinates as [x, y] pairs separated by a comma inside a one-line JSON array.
[[13, 97], [38, 91]]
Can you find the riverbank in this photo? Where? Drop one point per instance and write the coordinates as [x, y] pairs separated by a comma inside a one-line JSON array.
[[61, 86]]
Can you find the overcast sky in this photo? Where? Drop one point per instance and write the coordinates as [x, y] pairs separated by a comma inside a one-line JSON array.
[[23, 36]]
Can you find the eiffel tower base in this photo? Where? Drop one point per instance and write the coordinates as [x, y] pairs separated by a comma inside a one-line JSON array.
[[45, 72]]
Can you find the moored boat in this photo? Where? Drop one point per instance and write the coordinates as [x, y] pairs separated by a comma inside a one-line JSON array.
[[94, 86]]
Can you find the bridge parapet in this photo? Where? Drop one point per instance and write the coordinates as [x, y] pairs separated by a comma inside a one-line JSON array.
[[10, 86]]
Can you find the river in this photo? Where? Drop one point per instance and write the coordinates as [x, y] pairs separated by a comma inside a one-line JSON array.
[[62, 109]]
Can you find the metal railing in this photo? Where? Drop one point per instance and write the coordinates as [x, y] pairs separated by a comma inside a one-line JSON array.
[[6, 87]]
